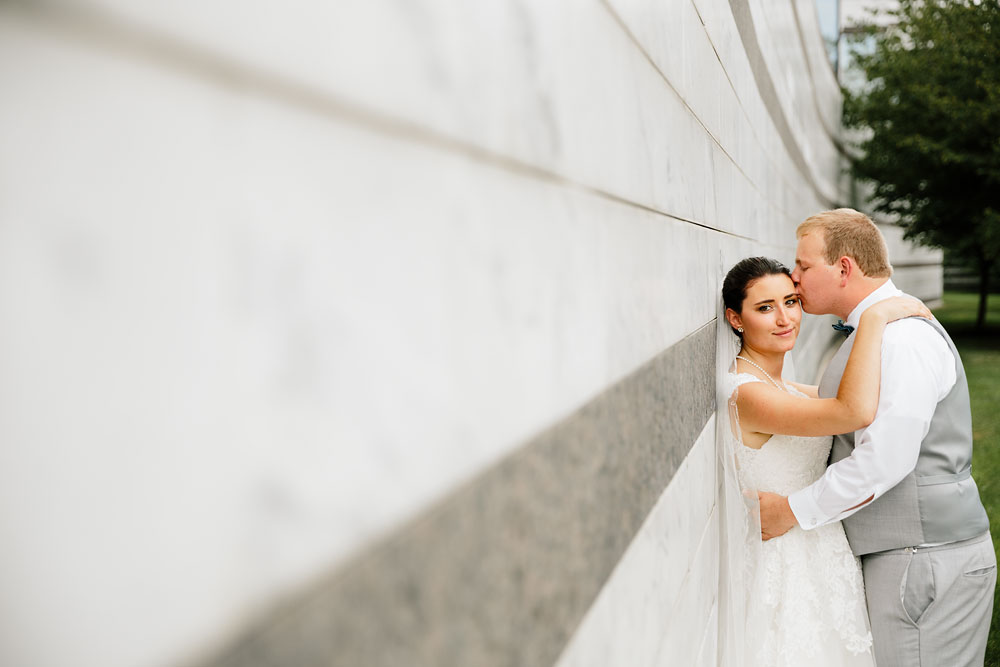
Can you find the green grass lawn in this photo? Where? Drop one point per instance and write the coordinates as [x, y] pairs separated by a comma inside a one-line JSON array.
[[980, 352]]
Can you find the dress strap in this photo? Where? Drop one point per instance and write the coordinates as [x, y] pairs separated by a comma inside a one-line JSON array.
[[736, 379], [743, 378]]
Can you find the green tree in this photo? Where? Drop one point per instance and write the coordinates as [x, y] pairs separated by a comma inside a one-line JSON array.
[[929, 121]]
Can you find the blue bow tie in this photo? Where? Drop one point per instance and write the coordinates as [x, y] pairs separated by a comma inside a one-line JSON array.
[[845, 329]]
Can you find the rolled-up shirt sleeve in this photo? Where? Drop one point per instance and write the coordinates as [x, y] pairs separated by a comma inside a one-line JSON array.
[[918, 370]]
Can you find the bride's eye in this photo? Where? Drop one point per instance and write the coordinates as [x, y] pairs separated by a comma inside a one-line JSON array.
[[792, 302], [764, 308]]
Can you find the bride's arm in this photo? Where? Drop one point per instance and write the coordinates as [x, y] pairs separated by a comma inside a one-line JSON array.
[[765, 409]]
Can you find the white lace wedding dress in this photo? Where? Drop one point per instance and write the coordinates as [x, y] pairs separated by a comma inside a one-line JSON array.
[[813, 605]]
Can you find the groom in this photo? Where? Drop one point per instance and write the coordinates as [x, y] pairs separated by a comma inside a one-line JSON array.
[[901, 486]]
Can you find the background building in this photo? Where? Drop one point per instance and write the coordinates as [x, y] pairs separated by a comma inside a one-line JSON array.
[[380, 333]]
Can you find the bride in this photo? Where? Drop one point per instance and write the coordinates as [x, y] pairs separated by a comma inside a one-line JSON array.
[[797, 599]]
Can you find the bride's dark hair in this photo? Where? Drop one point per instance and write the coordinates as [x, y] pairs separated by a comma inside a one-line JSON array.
[[739, 278]]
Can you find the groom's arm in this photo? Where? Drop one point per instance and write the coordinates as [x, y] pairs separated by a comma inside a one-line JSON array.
[[776, 516], [918, 370]]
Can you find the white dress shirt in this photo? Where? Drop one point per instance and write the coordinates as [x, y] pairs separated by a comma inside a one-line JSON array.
[[918, 370]]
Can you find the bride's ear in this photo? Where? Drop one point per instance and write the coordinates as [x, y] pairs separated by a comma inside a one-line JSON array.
[[734, 319]]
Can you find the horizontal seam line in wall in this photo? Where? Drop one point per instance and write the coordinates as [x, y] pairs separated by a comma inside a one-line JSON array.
[[746, 115], [808, 177], [762, 76], [635, 41], [113, 34], [638, 45]]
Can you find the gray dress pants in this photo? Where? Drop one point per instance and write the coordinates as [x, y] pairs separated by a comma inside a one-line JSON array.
[[931, 606]]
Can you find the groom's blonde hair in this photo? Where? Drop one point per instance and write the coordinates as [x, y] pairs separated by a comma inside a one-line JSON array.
[[850, 233]]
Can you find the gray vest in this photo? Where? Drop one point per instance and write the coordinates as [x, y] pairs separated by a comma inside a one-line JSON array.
[[938, 501]]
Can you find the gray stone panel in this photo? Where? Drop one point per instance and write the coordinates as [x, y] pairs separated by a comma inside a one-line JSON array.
[[503, 570]]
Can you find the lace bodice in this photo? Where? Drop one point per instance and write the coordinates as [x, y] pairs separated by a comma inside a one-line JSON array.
[[785, 463], [813, 607]]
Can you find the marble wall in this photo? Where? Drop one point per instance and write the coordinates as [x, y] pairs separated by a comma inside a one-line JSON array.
[[384, 333]]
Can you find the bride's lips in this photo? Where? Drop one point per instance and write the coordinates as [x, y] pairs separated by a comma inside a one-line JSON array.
[[786, 333]]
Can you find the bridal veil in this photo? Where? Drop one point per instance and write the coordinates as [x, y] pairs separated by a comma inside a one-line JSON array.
[[740, 586]]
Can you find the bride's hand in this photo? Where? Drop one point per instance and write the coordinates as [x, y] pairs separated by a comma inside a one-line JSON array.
[[896, 308]]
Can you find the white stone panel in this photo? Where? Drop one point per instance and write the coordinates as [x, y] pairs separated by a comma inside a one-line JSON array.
[[658, 604], [709, 81], [781, 46], [576, 97], [277, 276], [825, 87], [917, 269], [270, 337], [923, 282], [905, 253], [694, 614]]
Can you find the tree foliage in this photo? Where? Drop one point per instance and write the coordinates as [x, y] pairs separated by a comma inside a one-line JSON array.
[[929, 117]]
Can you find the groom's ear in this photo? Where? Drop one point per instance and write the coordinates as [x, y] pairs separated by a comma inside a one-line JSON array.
[[846, 266]]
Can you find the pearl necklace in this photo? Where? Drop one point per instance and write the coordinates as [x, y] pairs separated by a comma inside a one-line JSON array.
[[768, 375]]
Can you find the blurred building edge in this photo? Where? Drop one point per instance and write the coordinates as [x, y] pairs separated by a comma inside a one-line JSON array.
[[918, 268], [370, 333]]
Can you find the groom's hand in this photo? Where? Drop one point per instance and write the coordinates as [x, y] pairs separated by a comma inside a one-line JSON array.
[[776, 516]]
